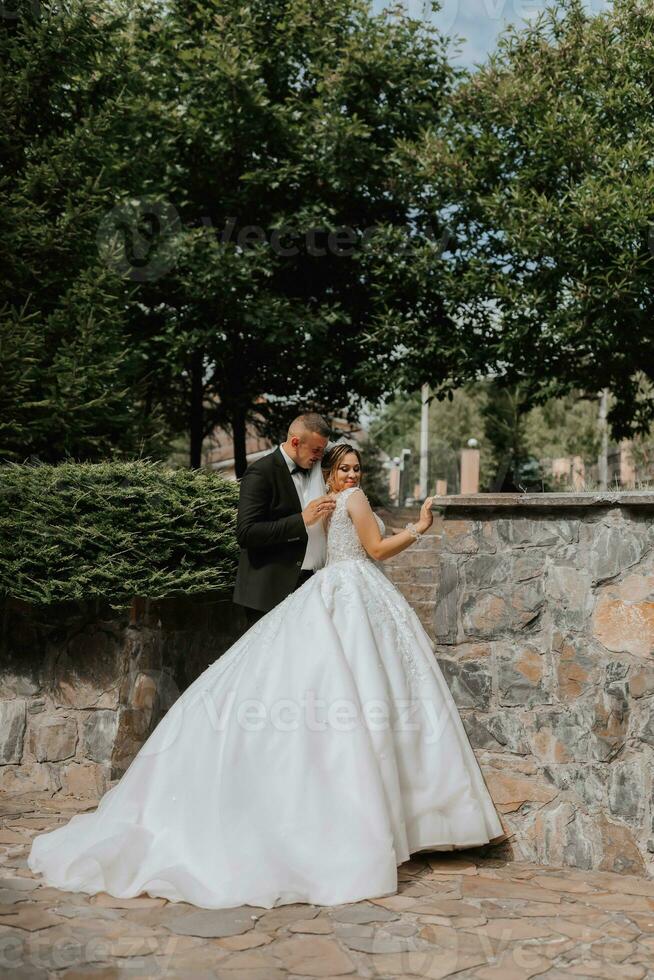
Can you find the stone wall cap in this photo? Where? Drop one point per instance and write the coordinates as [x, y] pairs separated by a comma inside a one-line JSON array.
[[591, 498]]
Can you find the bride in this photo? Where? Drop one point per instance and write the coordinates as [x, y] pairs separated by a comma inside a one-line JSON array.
[[306, 763]]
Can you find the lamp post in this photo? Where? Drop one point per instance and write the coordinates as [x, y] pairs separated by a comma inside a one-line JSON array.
[[395, 480], [404, 456], [424, 442], [603, 458]]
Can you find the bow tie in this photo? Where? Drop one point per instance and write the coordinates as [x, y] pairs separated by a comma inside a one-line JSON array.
[[300, 469]]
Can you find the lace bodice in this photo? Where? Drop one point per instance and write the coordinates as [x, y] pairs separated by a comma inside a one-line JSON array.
[[342, 539]]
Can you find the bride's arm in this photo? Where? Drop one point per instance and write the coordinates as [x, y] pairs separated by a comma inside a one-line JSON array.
[[370, 536]]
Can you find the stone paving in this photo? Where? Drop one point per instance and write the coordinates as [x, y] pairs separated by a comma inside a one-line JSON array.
[[463, 915]]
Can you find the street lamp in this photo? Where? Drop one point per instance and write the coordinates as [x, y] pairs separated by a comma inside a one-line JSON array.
[[405, 455]]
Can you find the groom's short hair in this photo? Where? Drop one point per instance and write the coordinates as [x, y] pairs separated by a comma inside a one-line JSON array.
[[310, 422]]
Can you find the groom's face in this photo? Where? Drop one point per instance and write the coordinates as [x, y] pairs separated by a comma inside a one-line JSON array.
[[309, 448]]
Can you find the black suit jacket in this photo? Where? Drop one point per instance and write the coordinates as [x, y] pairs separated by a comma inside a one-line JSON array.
[[271, 532]]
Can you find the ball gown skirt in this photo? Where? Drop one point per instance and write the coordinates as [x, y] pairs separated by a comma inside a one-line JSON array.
[[304, 765]]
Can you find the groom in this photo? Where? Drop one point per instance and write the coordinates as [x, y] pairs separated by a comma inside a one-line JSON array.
[[279, 526]]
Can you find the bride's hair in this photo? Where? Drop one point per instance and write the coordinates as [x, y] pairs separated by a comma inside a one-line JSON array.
[[334, 456]]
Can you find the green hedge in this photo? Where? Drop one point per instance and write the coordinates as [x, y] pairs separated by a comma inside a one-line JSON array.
[[114, 531]]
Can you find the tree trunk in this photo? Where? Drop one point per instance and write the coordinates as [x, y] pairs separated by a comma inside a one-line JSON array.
[[197, 409], [238, 433]]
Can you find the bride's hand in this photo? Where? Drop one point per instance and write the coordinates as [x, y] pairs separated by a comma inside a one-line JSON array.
[[426, 517]]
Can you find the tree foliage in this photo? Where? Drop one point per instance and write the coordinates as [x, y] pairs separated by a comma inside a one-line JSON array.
[[287, 126], [208, 215], [69, 370], [545, 172]]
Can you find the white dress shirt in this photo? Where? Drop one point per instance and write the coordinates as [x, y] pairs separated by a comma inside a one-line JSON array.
[[308, 488]]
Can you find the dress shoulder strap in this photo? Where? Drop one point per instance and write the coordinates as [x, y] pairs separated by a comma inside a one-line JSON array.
[[344, 494]]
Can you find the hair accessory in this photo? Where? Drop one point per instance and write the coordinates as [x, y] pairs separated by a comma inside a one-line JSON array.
[[414, 531]]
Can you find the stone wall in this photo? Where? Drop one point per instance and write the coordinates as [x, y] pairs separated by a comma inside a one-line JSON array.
[[543, 621], [82, 687], [541, 609], [415, 570]]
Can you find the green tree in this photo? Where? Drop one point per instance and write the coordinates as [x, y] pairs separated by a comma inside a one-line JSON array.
[[545, 172], [69, 371], [288, 128], [138, 133], [565, 426], [513, 440]]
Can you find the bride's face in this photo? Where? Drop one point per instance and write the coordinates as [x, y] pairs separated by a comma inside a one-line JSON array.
[[348, 473]]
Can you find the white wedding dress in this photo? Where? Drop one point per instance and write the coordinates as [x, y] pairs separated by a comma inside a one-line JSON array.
[[304, 765]]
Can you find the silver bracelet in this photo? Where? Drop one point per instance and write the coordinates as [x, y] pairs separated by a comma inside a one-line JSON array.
[[414, 531]]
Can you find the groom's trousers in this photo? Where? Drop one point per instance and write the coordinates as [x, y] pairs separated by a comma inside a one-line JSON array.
[[252, 615]]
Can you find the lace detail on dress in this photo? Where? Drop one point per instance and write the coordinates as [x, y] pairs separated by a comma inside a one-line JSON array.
[[342, 539], [389, 611], [388, 608]]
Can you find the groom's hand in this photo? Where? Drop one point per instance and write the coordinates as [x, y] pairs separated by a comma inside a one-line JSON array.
[[317, 509]]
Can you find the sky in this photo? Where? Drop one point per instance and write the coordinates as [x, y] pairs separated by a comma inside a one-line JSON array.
[[479, 22]]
